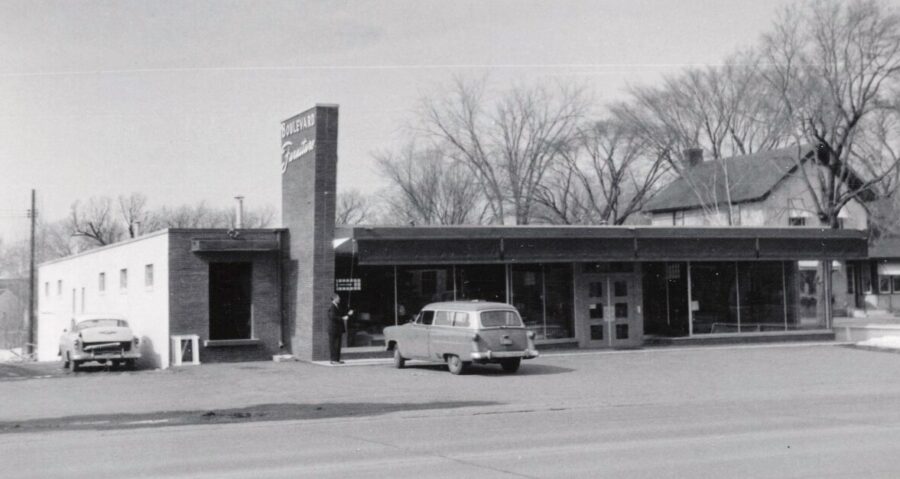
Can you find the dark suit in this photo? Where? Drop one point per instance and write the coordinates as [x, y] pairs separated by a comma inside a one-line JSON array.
[[335, 331]]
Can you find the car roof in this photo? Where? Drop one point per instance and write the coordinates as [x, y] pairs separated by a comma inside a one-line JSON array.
[[469, 306], [87, 317]]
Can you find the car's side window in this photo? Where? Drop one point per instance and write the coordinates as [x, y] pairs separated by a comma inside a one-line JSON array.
[[442, 318], [461, 320], [426, 317]]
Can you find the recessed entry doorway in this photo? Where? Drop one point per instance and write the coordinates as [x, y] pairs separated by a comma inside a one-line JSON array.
[[230, 301], [609, 309]]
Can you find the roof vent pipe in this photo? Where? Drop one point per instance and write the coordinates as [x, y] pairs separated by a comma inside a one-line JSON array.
[[693, 157], [238, 212]]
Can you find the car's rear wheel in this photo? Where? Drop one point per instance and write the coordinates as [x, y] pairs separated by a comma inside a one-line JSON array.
[[455, 365], [399, 360], [510, 365]]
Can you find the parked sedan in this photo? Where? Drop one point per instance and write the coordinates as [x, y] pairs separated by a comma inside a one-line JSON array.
[[99, 338], [461, 333]]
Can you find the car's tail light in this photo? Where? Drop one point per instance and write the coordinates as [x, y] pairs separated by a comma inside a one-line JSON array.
[[530, 334], [475, 338]]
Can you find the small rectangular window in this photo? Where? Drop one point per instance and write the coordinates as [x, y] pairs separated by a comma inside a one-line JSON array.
[[884, 284], [895, 284], [797, 221], [427, 317], [148, 275], [101, 282], [123, 278]]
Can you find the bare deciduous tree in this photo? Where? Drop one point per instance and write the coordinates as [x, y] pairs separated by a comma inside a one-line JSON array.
[[201, 215], [607, 176], [722, 110], [509, 144], [135, 216], [831, 64], [95, 221], [430, 188], [354, 208]]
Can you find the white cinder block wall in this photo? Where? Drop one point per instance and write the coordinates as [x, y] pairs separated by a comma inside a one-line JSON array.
[[71, 286]]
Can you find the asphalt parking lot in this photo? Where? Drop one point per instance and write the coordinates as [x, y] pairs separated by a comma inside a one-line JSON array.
[[610, 377]]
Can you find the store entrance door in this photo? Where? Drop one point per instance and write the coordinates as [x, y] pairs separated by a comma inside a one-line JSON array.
[[610, 310]]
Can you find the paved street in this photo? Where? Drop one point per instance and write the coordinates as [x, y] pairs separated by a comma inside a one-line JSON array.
[[773, 411]]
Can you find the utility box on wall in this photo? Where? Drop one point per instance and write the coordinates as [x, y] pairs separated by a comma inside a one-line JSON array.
[[185, 349]]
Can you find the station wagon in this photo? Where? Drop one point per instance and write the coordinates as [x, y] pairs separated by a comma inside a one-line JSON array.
[[461, 333]]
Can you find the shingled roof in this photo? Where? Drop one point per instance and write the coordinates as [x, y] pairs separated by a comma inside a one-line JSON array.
[[750, 177]]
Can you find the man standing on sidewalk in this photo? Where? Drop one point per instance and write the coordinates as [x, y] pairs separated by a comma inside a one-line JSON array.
[[336, 328]]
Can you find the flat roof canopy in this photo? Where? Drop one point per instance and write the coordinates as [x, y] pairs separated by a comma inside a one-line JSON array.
[[528, 244]]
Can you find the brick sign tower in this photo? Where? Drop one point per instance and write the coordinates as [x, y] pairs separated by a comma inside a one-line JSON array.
[[308, 183]]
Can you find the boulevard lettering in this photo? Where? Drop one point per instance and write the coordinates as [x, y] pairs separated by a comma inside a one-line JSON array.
[[298, 124]]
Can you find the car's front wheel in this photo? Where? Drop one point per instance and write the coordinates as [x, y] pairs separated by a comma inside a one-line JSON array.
[[455, 365], [73, 364], [399, 360], [510, 365]]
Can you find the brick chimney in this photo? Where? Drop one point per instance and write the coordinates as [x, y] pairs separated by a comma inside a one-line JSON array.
[[693, 157]]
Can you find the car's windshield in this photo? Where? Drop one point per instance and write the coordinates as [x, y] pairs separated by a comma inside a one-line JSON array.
[[101, 323], [495, 319]]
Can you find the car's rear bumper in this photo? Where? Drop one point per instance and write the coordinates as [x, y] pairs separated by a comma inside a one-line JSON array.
[[488, 355]]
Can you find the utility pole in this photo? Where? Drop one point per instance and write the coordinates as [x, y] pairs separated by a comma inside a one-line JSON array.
[[32, 320]]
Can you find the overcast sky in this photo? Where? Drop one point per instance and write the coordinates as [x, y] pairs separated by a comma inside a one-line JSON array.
[[182, 100]]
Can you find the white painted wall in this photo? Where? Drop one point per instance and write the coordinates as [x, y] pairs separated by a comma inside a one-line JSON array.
[[145, 307]]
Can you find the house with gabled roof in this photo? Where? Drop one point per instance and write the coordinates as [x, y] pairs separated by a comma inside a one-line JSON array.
[[763, 189]]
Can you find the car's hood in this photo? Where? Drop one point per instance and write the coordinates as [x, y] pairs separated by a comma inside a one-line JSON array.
[[106, 334]]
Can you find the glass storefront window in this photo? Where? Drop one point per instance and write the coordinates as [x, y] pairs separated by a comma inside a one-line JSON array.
[[527, 296], [714, 297], [481, 282], [420, 285], [665, 299], [762, 305], [373, 304], [543, 296], [806, 295], [559, 322]]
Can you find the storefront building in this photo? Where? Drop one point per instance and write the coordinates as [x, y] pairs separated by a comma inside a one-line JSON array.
[[600, 286], [251, 294]]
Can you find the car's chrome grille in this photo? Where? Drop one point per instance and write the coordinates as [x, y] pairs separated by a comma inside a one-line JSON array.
[[107, 347]]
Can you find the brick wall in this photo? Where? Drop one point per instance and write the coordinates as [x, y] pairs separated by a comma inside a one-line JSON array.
[[189, 293], [308, 203]]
